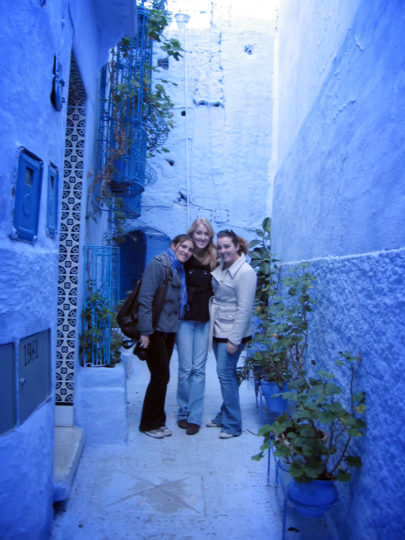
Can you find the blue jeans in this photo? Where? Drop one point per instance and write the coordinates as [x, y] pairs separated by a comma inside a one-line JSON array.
[[192, 349], [229, 416]]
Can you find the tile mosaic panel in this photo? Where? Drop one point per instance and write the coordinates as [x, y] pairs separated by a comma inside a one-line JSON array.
[[69, 238]]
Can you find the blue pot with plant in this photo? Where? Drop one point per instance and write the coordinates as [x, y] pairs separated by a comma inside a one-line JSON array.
[[312, 499], [315, 437], [271, 393]]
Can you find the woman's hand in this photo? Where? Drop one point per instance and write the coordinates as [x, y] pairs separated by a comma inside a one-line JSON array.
[[144, 341], [231, 348]]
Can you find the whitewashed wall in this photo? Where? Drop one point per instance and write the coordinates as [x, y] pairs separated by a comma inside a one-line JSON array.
[[225, 89]]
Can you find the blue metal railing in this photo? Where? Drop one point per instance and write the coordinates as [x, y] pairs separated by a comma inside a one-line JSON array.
[[101, 295], [125, 116]]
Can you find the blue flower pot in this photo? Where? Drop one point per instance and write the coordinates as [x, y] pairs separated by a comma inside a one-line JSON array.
[[312, 499], [274, 404]]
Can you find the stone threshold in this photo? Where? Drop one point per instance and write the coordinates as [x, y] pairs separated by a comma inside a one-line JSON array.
[[69, 444]]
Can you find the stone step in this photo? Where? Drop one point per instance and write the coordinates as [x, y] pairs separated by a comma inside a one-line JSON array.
[[69, 444]]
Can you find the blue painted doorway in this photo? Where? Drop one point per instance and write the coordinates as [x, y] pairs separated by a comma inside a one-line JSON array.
[[132, 261]]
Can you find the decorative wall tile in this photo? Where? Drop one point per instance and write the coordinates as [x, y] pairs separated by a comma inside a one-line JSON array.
[[69, 238]]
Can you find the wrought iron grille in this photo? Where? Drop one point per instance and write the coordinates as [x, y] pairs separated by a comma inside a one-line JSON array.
[[101, 295], [128, 127]]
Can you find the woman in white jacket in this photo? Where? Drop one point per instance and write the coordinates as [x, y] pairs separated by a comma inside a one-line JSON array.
[[231, 307]]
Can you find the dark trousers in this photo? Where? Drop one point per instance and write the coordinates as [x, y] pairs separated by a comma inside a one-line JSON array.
[[158, 359]]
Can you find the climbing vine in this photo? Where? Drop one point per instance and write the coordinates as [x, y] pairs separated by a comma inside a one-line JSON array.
[[139, 120]]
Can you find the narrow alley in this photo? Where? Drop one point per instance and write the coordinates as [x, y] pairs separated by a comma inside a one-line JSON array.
[[124, 122], [181, 487]]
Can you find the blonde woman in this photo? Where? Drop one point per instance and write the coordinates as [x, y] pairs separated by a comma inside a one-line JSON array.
[[193, 332]]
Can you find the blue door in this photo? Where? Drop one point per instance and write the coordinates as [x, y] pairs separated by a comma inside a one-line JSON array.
[[132, 261]]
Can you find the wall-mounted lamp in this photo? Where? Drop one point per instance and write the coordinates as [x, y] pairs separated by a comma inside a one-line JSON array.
[[182, 19], [52, 200], [57, 85]]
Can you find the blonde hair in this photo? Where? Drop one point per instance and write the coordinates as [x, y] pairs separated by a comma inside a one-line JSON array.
[[211, 249]]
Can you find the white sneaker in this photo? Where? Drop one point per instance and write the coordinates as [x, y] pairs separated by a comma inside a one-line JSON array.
[[211, 423], [166, 431], [155, 433], [225, 435]]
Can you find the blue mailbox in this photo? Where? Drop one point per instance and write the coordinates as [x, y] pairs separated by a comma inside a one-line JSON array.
[[27, 196]]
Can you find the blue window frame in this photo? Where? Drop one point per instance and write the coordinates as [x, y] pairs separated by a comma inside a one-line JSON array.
[[27, 196]]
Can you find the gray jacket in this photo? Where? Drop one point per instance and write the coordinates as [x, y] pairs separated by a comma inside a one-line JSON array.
[[231, 307], [154, 275]]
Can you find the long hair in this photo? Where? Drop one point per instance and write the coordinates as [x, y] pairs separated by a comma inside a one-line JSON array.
[[211, 249], [236, 239]]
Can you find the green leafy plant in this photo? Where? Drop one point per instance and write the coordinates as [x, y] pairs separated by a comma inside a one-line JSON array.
[[157, 21], [156, 106], [315, 437], [138, 108], [282, 305], [98, 321]]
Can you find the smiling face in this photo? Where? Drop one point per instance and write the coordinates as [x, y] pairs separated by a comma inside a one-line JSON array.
[[183, 250], [201, 237], [227, 250]]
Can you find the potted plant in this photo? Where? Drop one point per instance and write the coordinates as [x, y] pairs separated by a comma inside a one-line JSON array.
[[314, 439], [282, 304], [100, 342]]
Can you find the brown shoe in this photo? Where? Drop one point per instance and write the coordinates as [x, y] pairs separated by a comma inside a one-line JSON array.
[[192, 429], [183, 424]]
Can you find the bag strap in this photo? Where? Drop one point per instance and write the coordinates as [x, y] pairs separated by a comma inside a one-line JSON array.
[[160, 298]]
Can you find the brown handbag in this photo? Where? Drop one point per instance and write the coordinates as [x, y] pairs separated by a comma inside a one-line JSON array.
[[127, 316]]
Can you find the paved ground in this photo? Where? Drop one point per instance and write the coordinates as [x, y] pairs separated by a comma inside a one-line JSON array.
[[181, 487]]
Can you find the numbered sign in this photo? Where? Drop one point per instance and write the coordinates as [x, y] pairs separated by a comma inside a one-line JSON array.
[[34, 372]]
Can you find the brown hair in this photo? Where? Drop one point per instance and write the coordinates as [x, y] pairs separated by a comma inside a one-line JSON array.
[[181, 238], [211, 249], [228, 233]]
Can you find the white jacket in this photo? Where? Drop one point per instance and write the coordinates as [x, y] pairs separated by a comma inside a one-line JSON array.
[[231, 307]]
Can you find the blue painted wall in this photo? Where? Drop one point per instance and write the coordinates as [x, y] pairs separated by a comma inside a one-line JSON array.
[[339, 202], [30, 36]]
